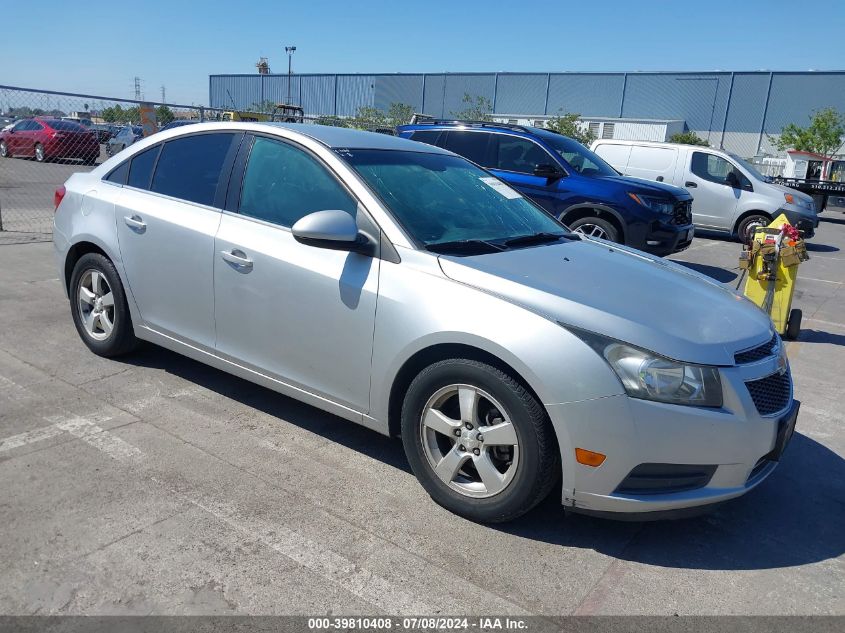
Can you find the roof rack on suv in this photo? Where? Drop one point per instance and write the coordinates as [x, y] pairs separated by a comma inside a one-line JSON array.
[[469, 123]]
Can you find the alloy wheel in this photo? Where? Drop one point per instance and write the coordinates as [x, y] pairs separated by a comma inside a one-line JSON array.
[[591, 230], [39, 153], [469, 441], [4, 150], [96, 304]]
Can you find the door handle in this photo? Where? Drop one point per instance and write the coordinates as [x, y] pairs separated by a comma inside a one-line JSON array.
[[135, 223], [238, 259], [690, 183]]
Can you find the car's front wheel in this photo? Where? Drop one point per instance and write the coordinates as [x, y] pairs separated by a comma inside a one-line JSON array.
[[99, 308], [40, 155], [595, 227], [479, 441]]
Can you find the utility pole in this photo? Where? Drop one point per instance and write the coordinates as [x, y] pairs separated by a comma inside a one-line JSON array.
[[163, 100], [137, 88], [290, 50]]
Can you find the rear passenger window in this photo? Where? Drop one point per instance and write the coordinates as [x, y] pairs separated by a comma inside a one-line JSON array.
[[189, 168], [426, 136], [470, 145], [119, 173], [141, 168], [283, 183]]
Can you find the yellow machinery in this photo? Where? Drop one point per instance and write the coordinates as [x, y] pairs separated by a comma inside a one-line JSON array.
[[771, 261]]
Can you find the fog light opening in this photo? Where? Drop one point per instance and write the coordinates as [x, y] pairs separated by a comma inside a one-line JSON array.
[[589, 458]]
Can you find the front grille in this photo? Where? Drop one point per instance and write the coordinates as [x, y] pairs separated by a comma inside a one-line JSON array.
[[757, 353], [682, 213], [656, 479], [770, 394]]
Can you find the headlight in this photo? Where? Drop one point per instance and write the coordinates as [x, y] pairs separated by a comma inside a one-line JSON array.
[[649, 376], [659, 205], [799, 202]]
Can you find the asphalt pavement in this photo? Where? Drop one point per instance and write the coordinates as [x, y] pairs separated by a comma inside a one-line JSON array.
[[154, 484]]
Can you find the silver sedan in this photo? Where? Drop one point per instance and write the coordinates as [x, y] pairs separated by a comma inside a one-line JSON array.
[[401, 287]]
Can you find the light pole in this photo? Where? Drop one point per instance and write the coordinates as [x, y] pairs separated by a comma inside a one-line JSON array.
[[290, 50]]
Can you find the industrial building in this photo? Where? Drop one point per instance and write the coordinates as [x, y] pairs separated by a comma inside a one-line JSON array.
[[734, 110]]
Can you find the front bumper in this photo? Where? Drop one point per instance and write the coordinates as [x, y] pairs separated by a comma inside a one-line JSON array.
[[659, 238], [735, 441], [802, 221]]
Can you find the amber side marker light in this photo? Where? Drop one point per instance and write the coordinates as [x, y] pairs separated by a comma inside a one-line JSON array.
[[589, 458]]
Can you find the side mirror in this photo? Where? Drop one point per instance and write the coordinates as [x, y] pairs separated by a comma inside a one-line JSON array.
[[548, 171], [732, 180], [332, 229]]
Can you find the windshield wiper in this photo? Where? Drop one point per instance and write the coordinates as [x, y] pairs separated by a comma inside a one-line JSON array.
[[465, 246], [534, 238]]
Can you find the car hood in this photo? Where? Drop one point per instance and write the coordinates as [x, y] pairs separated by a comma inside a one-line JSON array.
[[640, 185], [623, 294]]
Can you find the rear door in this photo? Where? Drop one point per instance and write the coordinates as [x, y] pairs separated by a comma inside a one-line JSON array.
[[167, 216], [652, 163]]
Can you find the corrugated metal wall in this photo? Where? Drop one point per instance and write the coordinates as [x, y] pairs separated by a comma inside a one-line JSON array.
[[739, 110]]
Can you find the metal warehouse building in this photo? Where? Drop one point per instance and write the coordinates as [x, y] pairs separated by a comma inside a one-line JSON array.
[[735, 110]]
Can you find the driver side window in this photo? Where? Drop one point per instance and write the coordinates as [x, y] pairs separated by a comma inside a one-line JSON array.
[[519, 154], [713, 168], [283, 183]]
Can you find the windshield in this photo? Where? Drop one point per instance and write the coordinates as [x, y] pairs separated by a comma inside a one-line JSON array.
[[747, 166], [64, 126], [439, 198], [579, 157]]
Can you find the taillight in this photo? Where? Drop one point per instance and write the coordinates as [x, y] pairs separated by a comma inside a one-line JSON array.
[[57, 197]]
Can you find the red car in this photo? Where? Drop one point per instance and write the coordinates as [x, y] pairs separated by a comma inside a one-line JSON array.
[[44, 139]]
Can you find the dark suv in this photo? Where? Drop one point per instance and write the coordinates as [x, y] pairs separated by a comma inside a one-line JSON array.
[[570, 182]]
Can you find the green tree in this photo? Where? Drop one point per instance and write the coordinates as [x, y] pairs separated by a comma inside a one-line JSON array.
[[370, 118], [688, 138], [477, 109], [823, 135], [117, 114], [567, 123], [164, 115], [334, 121], [400, 114]]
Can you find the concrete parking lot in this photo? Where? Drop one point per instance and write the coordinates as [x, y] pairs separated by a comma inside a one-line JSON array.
[[156, 485]]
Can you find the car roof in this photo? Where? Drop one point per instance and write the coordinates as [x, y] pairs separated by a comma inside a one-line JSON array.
[[347, 138]]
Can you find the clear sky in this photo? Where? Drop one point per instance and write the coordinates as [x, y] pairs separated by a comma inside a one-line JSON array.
[[178, 44]]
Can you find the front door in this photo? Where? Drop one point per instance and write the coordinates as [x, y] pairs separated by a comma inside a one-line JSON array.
[[714, 200], [301, 314]]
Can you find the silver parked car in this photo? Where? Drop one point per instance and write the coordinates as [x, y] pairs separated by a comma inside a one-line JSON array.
[[401, 287]]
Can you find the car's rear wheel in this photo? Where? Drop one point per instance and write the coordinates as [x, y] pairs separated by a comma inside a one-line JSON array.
[[478, 441], [4, 150], [40, 156], [745, 230], [595, 227], [99, 308]]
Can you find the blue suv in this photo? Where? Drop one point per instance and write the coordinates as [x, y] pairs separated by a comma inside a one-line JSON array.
[[570, 182]]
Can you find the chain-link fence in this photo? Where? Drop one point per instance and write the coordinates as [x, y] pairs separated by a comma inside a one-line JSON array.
[[47, 136]]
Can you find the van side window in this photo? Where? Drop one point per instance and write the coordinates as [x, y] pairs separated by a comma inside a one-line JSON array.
[[426, 136], [713, 168], [519, 154]]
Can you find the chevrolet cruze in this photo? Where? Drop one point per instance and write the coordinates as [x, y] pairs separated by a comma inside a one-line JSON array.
[[401, 287]]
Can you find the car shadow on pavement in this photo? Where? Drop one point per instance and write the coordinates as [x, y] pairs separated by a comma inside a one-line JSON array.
[[719, 274], [795, 517], [813, 247]]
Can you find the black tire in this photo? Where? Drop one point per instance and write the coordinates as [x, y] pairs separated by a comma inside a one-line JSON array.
[[4, 150], [537, 468], [39, 156], [793, 324], [122, 339], [745, 229], [109, 152], [591, 225]]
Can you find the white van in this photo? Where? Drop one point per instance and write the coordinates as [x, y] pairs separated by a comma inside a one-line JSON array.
[[729, 195]]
